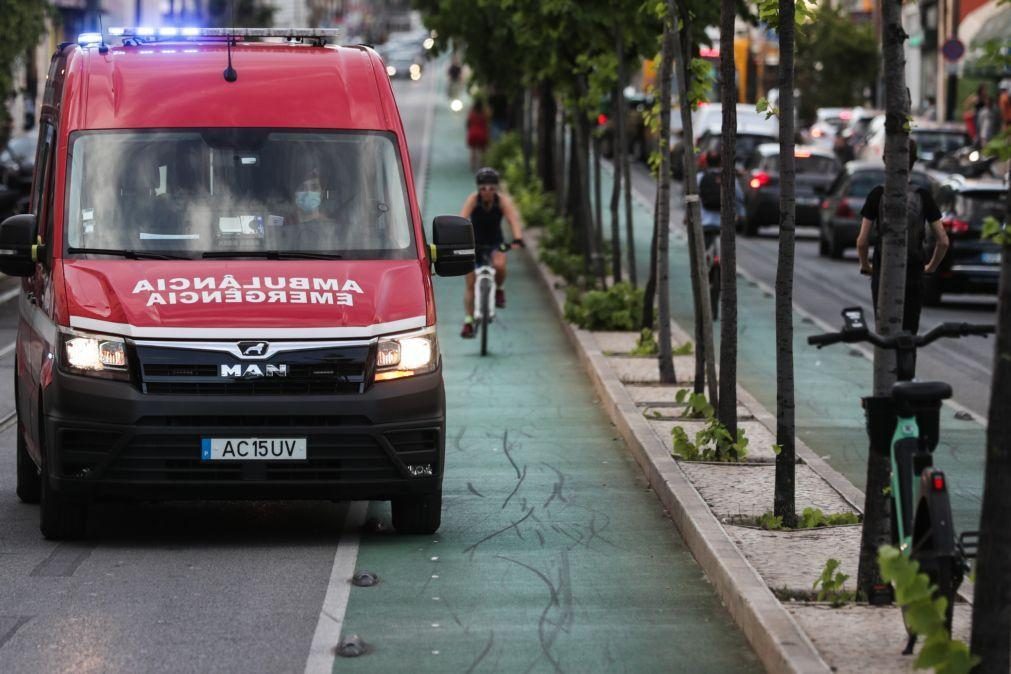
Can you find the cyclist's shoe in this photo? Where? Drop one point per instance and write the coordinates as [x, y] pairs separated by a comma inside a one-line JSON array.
[[500, 298], [468, 329]]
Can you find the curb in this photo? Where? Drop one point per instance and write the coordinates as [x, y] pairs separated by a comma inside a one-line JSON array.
[[776, 637]]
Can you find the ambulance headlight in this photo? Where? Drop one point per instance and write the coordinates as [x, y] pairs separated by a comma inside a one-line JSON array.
[[94, 354], [406, 355]]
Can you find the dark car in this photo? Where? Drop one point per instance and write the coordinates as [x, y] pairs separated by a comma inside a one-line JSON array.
[[17, 163], [403, 62], [636, 105], [972, 264], [815, 170], [840, 209]]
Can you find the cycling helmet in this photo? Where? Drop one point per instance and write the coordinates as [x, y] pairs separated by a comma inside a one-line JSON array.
[[487, 176]]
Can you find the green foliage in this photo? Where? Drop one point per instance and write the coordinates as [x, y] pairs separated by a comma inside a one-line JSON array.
[[813, 518], [714, 442], [769, 521], [700, 81], [646, 346], [836, 58], [999, 146], [567, 265], [924, 614], [763, 105], [509, 146], [830, 585], [996, 231], [696, 405], [777, 449], [617, 308], [683, 350], [768, 11], [22, 23]]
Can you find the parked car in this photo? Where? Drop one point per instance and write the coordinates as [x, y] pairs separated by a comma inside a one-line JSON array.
[[933, 140], [972, 264], [746, 147], [636, 104], [17, 163], [840, 209], [404, 62], [815, 169], [859, 126]]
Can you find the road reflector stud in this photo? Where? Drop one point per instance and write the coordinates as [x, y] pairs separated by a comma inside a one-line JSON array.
[[352, 647], [365, 579]]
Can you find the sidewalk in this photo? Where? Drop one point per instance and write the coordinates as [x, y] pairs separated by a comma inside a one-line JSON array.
[[553, 554]]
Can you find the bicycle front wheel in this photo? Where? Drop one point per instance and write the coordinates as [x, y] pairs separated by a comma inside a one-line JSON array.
[[485, 310]]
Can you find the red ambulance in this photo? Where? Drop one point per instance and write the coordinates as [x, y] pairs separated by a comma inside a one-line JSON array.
[[226, 288]]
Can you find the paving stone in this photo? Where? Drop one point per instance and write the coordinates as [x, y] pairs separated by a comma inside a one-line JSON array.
[[654, 393], [616, 342], [760, 439], [795, 559], [673, 411], [863, 639], [733, 490], [644, 370]]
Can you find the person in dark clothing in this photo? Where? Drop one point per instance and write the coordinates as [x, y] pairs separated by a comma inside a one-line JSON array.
[[485, 209], [922, 213]]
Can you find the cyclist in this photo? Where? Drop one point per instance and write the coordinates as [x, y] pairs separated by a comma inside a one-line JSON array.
[[485, 208], [710, 190]]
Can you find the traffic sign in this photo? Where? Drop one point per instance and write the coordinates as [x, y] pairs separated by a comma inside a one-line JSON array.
[[953, 49]]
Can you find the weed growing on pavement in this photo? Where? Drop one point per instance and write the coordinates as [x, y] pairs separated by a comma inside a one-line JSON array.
[[683, 350], [617, 308], [924, 614], [714, 442], [830, 585], [646, 346], [811, 518]]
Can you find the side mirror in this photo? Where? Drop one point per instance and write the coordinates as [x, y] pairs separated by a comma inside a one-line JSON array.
[[19, 249], [453, 245]]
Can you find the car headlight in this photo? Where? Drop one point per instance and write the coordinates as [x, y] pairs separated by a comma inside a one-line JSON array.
[[406, 355], [93, 354]]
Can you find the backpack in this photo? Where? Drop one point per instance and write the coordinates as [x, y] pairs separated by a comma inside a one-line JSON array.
[[709, 190]]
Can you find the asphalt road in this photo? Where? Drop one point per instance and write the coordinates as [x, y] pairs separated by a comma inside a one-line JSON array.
[[822, 287]]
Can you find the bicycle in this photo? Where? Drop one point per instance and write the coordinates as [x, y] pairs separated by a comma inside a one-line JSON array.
[[484, 291], [925, 533]]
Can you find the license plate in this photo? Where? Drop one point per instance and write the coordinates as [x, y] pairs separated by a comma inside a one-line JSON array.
[[247, 449], [807, 201], [990, 258]]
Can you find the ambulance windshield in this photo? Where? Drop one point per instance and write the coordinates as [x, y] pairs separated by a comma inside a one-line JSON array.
[[234, 192]]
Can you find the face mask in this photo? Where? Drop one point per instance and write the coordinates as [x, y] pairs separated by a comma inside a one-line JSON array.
[[307, 201]]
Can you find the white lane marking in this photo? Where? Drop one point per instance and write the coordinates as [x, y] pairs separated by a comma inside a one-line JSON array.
[[9, 295], [7, 349], [422, 182], [331, 616], [363, 331], [864, 351]]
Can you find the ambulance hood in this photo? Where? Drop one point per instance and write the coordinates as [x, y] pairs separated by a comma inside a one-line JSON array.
[[304, 299]]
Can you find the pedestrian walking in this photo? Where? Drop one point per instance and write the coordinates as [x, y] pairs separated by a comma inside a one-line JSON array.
[[477, 133], [922, 214], [455, 73], [987, 121], [1004, 104]]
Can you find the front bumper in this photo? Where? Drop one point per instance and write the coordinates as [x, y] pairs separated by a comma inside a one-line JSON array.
[[107, 440]]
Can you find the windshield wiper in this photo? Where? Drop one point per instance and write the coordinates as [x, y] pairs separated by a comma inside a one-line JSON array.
[[129, 254], [274, 254]]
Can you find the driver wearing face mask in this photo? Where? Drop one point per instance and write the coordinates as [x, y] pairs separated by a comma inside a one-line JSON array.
[[308, 197]]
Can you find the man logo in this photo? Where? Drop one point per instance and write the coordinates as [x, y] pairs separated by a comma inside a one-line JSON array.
[[253, 370], [253, 348]]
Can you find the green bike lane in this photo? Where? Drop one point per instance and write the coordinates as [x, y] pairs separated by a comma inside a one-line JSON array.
[[553, 553], [829, 381]]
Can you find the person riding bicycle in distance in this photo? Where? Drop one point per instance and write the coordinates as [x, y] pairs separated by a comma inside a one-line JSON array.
[[710, 188], [485, 209]]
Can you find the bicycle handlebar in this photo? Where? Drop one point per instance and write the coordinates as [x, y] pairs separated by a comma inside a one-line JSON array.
[[860, 333]]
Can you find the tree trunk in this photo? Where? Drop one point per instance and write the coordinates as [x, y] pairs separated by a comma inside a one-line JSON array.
[[991, 610], [598, 215], [621, 156], [583, 208], [663, 197], [615, 202], [727, 412], [700, 279], [891, 285], [560, 185], [546, 113], [527, 126], [784, 502], [649, 292]]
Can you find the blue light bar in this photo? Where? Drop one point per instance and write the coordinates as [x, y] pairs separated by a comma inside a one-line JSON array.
[[192, 32], [89, 38], [168, 31]]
